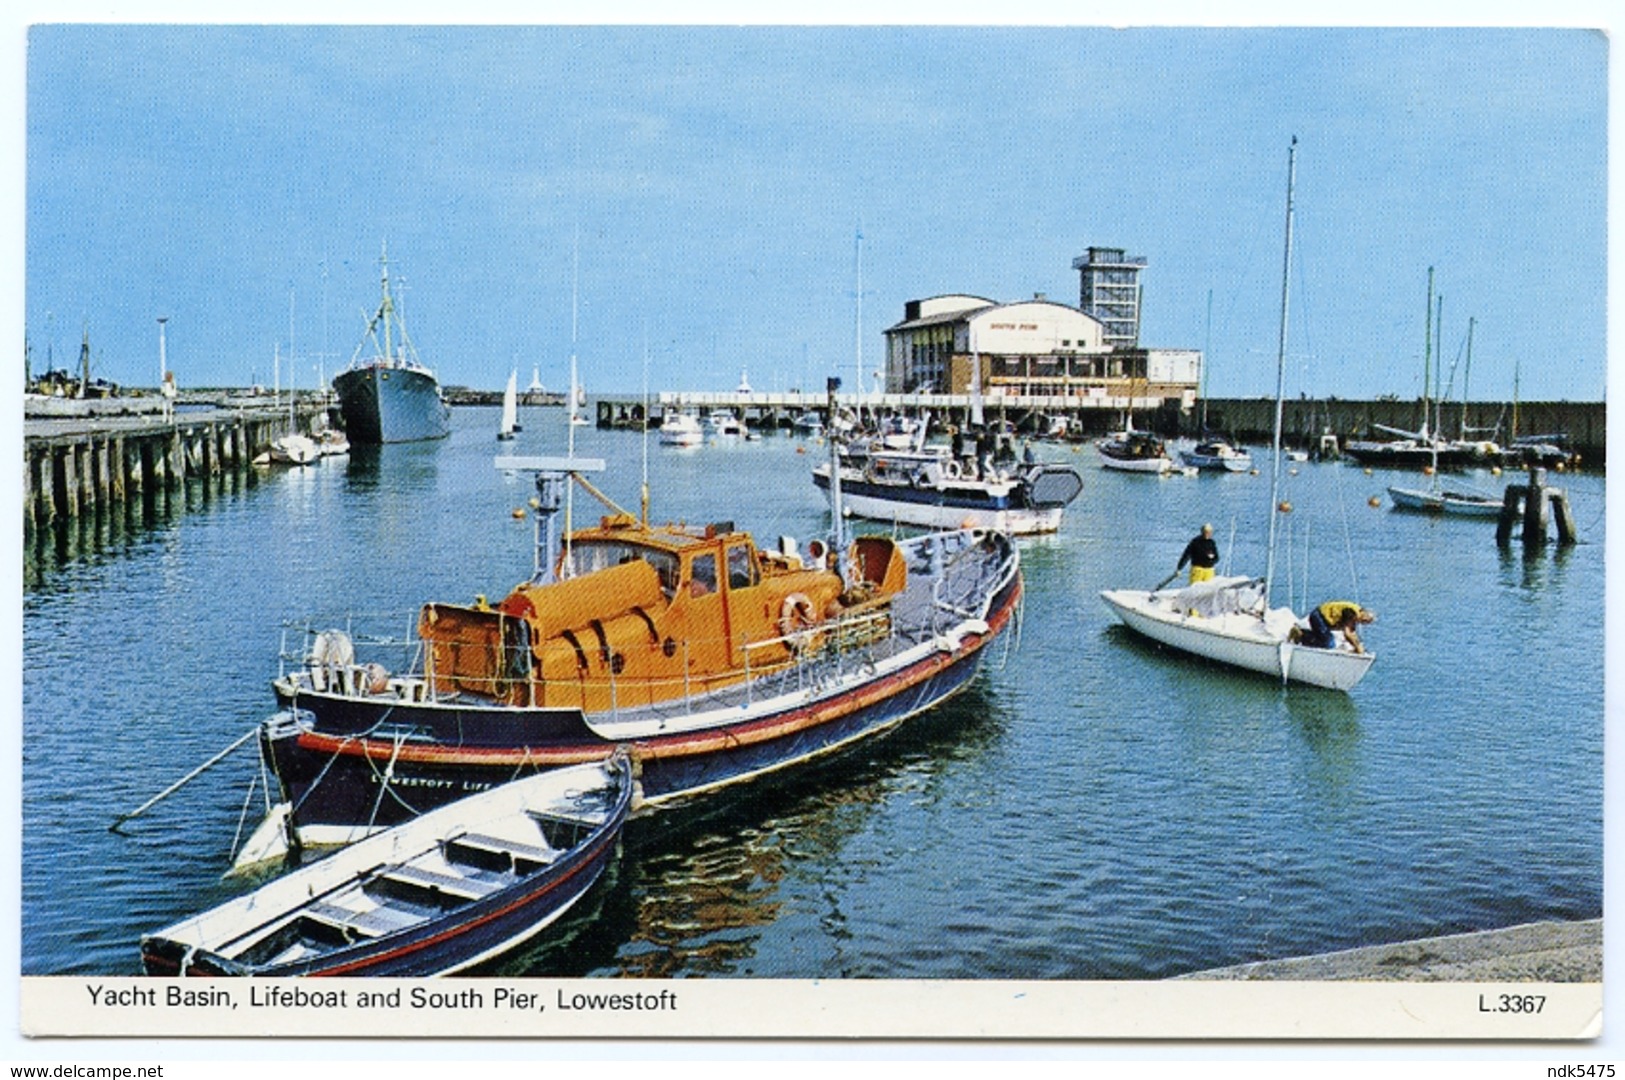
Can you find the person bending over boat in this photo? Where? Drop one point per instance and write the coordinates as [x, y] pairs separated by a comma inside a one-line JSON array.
[[1203, 555], [1343, 616]]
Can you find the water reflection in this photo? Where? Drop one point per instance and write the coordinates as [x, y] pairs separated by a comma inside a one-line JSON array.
[[1329, 724], [119, 527], [698, 886], [1536, 566]]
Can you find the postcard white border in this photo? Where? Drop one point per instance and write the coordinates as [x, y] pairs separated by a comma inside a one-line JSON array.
[[807, 1009]]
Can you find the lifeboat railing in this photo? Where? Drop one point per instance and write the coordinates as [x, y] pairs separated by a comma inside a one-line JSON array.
[[948, 586], [298, 637]]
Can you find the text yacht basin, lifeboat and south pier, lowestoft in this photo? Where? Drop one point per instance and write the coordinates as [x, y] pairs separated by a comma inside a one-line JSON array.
[[713, 660]]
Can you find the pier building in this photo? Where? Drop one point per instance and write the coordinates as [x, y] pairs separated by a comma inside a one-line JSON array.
[[1089, 355], [1031, 348]]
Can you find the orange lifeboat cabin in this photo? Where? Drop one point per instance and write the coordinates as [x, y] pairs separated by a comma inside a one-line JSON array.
[[638, 615]]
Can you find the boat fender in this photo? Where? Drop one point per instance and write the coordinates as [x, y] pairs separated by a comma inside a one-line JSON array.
[[373, 678], [796, 616], [332, 648]]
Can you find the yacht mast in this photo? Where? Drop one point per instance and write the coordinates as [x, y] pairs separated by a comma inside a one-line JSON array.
[[1280, 370]]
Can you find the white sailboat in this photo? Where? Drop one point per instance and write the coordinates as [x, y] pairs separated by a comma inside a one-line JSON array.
[[578, 397], [510, 407], [577, 400], [1229, 619], [1456, 499], [292, 448]]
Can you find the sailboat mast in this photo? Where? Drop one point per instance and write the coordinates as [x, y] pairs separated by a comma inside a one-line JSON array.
[[1207, 351], [857, 332], [1427, 357], [1438, 373], [644, 493], [292, 424], [1516, 366], [1280, 370], [570, 419], [1466, 375], [387, 308]]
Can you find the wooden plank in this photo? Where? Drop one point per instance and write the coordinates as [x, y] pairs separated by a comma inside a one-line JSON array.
[[449, 884], [503, 846], [373, 923]]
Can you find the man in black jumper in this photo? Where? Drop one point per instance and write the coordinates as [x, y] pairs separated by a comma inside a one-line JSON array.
[[1203, 555]]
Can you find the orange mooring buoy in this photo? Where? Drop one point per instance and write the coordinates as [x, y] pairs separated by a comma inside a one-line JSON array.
[[1375, 500], [518, 512], [1284, 506]]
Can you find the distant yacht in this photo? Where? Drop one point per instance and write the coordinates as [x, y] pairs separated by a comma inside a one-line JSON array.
[[391, 397], [681, 429]]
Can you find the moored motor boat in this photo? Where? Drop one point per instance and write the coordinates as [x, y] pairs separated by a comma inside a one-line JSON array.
[[725, 423], [1216, 455], [1134, 451], [679, 428], [930, 488], [434, 895], [714, 660], [332, 443]]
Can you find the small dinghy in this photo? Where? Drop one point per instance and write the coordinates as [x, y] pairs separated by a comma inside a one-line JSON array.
[[437, 894]]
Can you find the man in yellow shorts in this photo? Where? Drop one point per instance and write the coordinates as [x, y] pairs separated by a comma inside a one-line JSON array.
[[1203, 555]]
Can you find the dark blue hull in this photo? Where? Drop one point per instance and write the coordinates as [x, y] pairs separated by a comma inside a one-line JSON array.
[[466, 933], [389, 404], [332, 771]]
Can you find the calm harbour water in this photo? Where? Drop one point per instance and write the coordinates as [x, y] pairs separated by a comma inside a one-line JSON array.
[[1090, 808]]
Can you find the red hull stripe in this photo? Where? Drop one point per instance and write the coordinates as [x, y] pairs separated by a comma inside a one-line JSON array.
[[462, 928], [675, 746]]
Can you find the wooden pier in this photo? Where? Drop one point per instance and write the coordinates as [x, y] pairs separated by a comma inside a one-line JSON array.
[[76, 466]]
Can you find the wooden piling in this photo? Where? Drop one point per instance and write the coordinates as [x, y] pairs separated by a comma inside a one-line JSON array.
[[1535, 504]]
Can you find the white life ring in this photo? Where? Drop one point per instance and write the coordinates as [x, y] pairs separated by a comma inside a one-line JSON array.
[[951, 470], [796, 616]]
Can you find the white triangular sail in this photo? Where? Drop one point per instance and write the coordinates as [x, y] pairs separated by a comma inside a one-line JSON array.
[[510, 407]]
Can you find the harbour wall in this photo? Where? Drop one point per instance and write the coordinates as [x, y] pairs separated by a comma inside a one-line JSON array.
[[1304, 420], [1250, 420], [81, 465]]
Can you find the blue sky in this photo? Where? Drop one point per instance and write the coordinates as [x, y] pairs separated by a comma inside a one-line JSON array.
[[717, 178]]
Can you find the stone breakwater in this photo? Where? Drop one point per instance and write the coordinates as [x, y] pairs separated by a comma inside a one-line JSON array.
[[1557, 952]]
